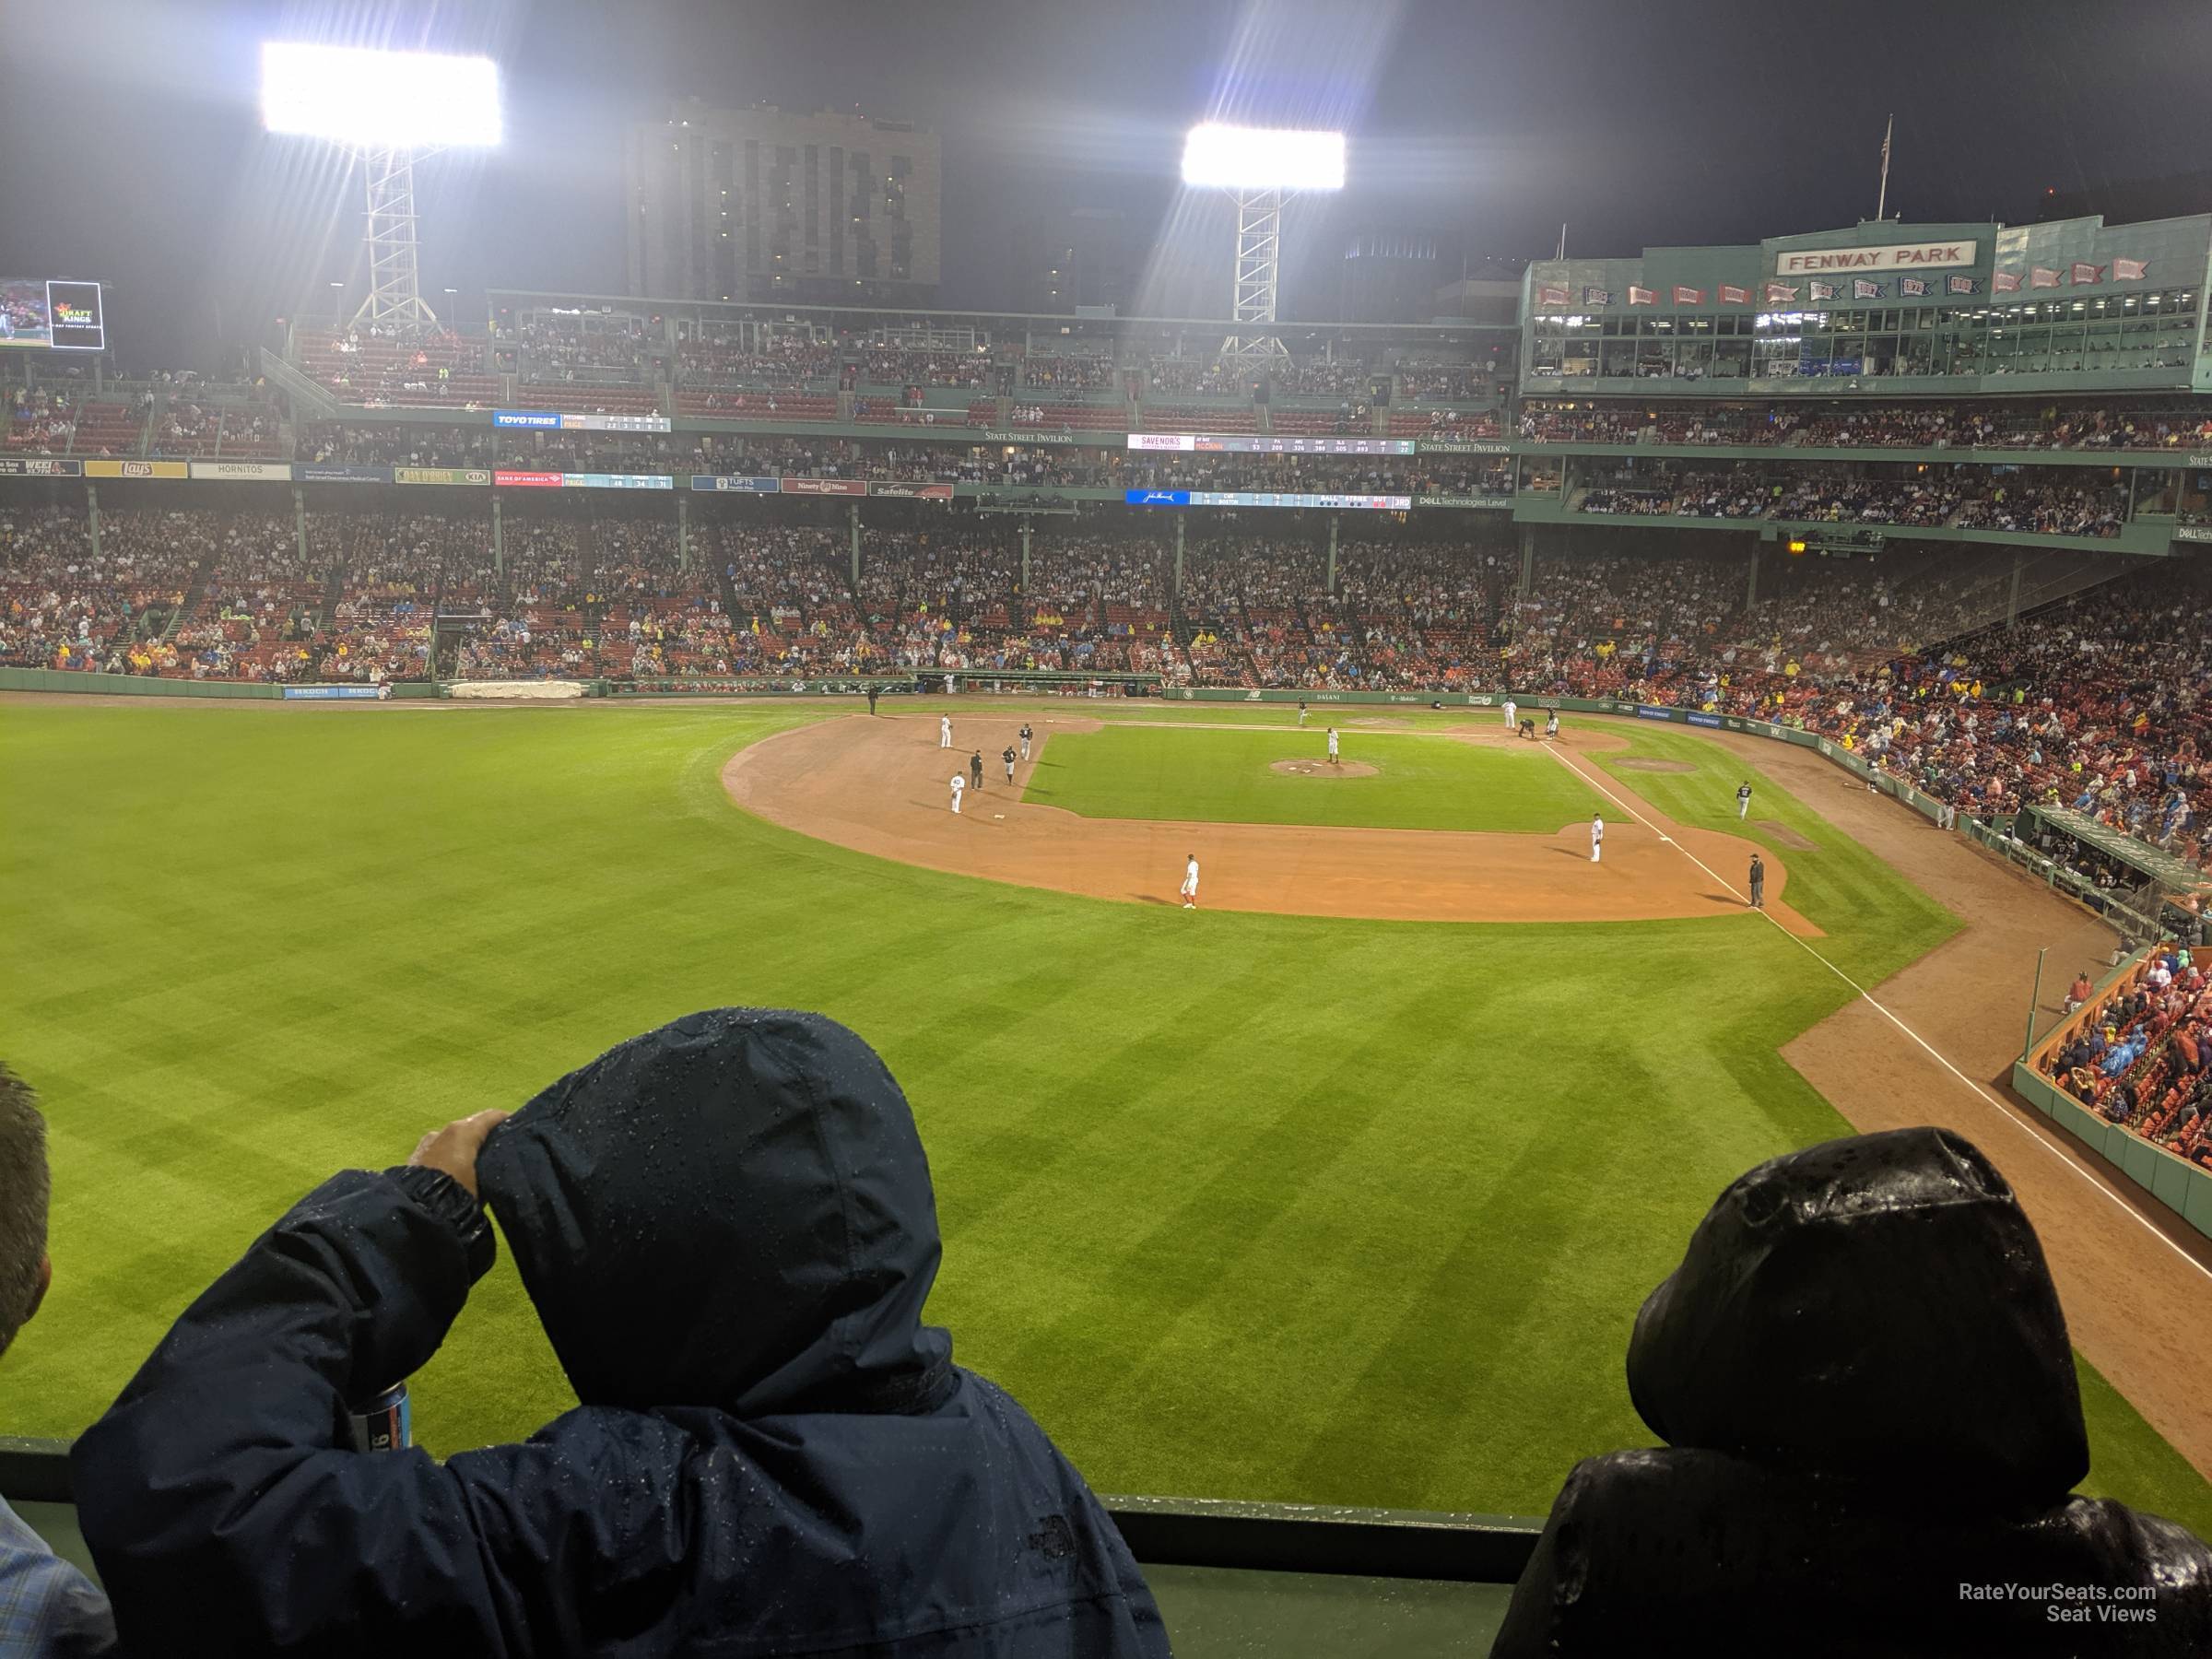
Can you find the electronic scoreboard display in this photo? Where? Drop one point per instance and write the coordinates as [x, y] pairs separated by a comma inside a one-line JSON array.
[[42, 315], [1269, 443]]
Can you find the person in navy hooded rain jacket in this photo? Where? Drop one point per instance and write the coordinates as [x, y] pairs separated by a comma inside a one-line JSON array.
[[728, 1229]]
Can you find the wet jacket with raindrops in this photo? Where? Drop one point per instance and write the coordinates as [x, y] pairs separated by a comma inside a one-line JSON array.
[[728, 1229]]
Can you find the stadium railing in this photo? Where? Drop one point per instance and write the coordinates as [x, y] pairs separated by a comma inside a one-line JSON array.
[[1292, 1580]]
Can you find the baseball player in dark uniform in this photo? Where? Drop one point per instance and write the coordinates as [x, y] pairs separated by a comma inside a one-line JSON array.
[[975, 769], [1025, 740], [1743, 798], [874, 692], [1007, 756], [1759, 882]]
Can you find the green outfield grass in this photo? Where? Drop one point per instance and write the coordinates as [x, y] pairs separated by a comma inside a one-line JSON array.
[[1270, 1206], [1213, 777]]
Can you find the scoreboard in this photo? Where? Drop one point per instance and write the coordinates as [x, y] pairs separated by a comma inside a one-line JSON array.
[[41, 316], [1269, 443], [553, 421]]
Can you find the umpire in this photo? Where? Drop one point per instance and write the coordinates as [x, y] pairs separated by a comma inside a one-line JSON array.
[[1759, 882]]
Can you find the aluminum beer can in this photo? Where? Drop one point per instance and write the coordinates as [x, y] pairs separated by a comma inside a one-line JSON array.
[[386, 1423]]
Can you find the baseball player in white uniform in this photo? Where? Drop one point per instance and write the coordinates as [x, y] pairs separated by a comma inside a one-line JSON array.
[[959, 783], [944, 731], [1597, 835], [1333, 746], [1512, 714], [1189, 883]]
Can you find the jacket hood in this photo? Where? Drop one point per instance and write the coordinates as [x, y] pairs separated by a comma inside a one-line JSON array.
[[732, 1211], [1876, 1308]]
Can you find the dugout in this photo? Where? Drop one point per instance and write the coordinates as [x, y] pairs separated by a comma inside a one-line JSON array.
[[2150, 888]]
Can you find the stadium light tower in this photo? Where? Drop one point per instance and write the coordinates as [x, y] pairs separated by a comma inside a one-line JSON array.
[[390, 108], [1259, 167]]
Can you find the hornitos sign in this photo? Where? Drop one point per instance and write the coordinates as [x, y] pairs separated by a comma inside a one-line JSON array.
[[1898, 256]]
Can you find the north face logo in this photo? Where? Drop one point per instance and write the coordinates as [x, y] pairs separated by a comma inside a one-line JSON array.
[[1054, 1540]]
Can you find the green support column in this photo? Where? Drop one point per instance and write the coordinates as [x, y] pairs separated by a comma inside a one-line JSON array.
[[1178, 593], [1752, 581], [92, 511], [300, 520], [498, 544], [1025, 556], [1332, 554], [1528, 560], [2012, 605], [683, 533], [853, 516]]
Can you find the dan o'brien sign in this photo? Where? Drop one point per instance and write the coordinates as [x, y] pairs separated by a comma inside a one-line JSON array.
[[1902, 257]]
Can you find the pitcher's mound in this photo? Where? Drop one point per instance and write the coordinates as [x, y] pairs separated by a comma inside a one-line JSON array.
[[1646, 763], [1322, 769]]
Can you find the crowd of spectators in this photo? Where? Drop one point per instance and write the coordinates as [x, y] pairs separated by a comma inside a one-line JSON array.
[[2061, 504], [555, 349], [1068, 372], [2139, 1053], [2095, 703], [783, 362], [2016, 424]]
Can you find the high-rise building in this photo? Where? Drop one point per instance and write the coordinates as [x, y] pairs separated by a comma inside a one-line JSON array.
[[1072, 260], [1388, 275], [760, 204]]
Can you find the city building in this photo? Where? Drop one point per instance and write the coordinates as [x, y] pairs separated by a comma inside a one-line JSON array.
[[762, 204]]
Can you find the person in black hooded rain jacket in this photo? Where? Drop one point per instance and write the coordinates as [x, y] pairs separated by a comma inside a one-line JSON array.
[[728, 1230]]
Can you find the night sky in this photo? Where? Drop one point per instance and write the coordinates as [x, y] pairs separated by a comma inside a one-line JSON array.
[[135, 155]]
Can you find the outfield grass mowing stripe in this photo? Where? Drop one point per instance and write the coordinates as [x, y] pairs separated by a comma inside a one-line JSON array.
[[1980, 1089], [1203, 1186]]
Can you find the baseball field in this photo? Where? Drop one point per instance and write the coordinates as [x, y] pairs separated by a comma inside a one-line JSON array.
[[1296, 1197]]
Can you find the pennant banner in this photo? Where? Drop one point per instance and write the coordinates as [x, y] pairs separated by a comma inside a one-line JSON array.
[[2038, 276], [2129, 270], [2005, 282], [1688, 296], [1642, 296], [1824, 290], [1912, 288], [1596, 296], [1863, 288], [1779, 291], [1551, 294], [2085, 273], [1962, 285], [1731, 295]]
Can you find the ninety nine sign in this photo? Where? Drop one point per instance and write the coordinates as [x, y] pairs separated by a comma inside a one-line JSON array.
[[842, 487], [1900, 257]]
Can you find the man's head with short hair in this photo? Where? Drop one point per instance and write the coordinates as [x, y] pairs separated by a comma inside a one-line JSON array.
[[24, 1185]]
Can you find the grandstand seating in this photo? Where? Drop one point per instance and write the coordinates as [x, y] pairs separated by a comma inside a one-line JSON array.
[[756, 405], [1229, 417]]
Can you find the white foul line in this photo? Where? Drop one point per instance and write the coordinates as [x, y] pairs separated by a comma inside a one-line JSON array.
[[1982, 1091]]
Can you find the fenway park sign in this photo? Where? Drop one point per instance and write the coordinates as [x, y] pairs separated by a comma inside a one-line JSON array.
[[1898, 256]]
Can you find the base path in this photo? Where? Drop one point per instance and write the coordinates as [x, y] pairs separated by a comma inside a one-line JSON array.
[[882, 785], [2134, 1279]]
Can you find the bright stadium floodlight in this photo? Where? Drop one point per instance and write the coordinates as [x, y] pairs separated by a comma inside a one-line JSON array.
[[390, 109], [1258, 166], [1216, 157], [368, 99]]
